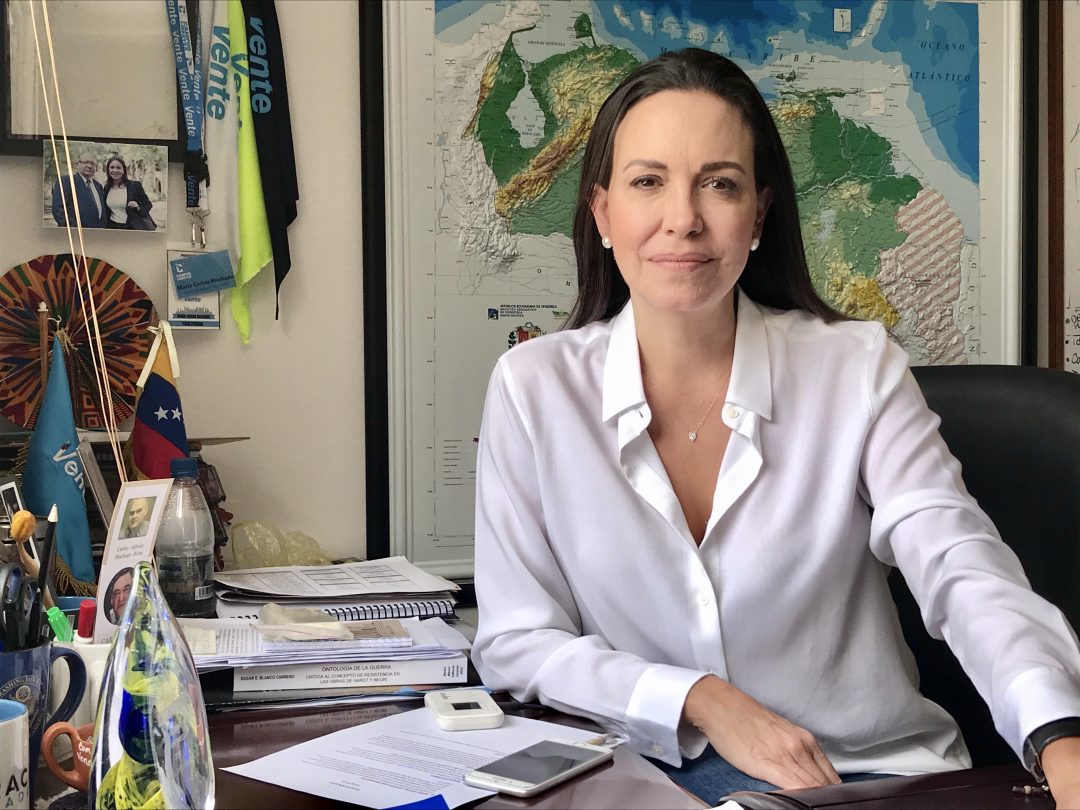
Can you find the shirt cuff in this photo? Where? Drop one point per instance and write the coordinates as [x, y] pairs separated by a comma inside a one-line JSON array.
[[654, 713], [1035, 698]]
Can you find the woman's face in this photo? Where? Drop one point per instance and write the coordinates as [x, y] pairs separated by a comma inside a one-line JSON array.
[[115, 170], [682, 205]]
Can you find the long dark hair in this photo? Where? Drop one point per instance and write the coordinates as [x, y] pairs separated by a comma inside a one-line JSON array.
[[776, 274], [108, 180]]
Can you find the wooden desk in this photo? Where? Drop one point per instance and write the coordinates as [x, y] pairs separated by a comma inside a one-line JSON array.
[[238, 737], [629, 782]]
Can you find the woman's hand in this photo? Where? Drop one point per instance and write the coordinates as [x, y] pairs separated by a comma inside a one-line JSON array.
[[753, 739], [1061, 766], [133, 204]]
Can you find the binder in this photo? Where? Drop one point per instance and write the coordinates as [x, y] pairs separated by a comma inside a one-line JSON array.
[[349, 611]]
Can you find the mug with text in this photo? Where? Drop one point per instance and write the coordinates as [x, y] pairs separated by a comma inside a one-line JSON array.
[[14, 755], [82, 745], [24, 677]]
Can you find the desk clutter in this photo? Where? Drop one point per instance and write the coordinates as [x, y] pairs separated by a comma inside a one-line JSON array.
[[342, 634], [391, 588]]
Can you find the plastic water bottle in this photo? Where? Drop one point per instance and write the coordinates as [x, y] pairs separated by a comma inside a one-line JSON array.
[[185, 545]]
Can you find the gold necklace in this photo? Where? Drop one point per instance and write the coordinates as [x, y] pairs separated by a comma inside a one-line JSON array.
[[694, 432]]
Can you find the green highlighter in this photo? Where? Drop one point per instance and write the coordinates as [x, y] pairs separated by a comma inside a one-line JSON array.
[[59, 624]]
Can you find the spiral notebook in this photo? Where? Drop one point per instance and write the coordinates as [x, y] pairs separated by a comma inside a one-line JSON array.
[[405, 608]]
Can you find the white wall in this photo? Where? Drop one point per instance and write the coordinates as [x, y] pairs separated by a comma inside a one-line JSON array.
[[297, 388]]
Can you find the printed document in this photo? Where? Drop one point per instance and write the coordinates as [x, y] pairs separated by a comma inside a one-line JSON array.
[[400, 759], [390, 575]]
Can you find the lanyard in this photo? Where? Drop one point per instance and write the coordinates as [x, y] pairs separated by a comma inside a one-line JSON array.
[[190, 79]]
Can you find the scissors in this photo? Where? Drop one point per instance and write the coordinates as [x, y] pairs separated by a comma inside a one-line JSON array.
[[18, 597]]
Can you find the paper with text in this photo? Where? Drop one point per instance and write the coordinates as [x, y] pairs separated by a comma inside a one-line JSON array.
[[390, 575], [400, 759]]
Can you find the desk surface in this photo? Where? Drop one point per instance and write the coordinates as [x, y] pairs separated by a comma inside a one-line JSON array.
[[238, 737], [629, 782]]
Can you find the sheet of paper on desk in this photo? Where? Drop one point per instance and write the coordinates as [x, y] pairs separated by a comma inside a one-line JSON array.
[[389, 575], [364, 764]]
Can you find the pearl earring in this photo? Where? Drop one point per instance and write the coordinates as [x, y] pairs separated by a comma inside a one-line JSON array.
[[754, 243], [605, 242]]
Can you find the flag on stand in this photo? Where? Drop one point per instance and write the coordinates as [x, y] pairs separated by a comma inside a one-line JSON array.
[[54, 475], [158, 435]]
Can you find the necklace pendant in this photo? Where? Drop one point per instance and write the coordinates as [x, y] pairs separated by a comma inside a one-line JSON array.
[[693, 435]]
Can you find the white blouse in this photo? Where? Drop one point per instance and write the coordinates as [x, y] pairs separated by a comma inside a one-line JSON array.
[[117, 199], [594, 598]]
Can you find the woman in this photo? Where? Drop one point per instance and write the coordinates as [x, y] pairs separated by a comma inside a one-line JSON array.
[[687, 502], [126, 200]]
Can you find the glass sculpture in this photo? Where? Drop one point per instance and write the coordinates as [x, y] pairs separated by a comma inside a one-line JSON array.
[[151, 742]]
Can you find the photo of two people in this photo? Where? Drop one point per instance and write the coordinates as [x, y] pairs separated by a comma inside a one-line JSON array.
[[115, 186]]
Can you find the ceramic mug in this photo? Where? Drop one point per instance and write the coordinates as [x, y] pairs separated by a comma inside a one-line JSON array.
[[82, 744], [25, 675], [14, 754]]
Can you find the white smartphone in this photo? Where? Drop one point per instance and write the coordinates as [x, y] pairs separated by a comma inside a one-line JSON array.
[[538, 767]]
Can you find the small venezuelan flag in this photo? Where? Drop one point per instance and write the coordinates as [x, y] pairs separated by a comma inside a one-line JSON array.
[[158, 435]]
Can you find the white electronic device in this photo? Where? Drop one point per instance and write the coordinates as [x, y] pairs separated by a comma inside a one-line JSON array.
[[538, 767], [464, 709]]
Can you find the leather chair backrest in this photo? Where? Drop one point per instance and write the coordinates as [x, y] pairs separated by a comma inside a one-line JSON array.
[[1016, 433]]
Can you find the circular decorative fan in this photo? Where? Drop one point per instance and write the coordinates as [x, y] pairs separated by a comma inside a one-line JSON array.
[[124, 313]]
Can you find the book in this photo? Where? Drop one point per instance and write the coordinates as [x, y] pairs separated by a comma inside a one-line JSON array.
[[354, 611], [351, 674]]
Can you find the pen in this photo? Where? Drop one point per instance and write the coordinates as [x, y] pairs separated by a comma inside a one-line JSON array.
[[59, 624], [47, 555]]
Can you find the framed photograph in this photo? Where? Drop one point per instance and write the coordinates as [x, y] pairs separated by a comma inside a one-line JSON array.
[[99, 490], [10, 500], [118, 186], [924, 223], [132, 531], [114, 67]]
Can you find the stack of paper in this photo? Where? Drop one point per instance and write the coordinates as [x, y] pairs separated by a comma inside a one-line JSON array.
[[435, 656], [305, 637], [217, 643], [374, 589]]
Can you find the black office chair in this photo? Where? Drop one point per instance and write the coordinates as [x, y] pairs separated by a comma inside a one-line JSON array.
[[1016, 432]]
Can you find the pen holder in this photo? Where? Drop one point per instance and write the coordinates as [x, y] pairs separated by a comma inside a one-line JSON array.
[[151, 747], [93, 656], [69, 606], [25, 676]]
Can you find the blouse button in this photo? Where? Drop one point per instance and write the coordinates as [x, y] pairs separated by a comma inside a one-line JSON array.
[[732, 413]]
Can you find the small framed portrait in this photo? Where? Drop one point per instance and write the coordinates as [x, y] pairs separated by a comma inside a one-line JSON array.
[[111, 186], [132, 532], [10, 500], [117, 592]]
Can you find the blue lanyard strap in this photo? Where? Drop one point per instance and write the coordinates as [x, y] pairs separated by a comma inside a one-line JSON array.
[[190, 79]]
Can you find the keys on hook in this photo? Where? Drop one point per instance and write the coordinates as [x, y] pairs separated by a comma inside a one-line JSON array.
[[198, 228]]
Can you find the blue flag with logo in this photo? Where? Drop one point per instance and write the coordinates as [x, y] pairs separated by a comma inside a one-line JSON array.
[[54, 473]]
